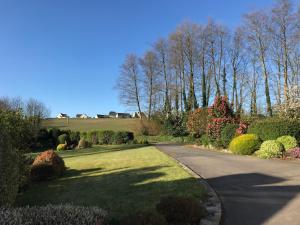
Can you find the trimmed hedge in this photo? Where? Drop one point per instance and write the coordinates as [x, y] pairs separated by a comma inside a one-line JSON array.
[[228, 133], [271, 129], [245, 144], [53, 214], [270, 149], [123, 137], [288, 142], [106, 137], [63, 139]]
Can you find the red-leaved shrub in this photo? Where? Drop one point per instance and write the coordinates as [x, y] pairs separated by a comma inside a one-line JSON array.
[[46, 165], [242, 128]]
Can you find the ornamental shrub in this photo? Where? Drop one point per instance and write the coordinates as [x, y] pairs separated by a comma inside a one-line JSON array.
[[9, 170], [123, 137], [242, 128], [46, 165], [62, 147], [82, 144], [53, 214], [175, 125], [106, 137], [197, 122], [245, 144], [220, 114], [181, 210], [144, 218], [288, 142], [295, 153], [63, 139], [270, 149], [228, 133], [273, 128]]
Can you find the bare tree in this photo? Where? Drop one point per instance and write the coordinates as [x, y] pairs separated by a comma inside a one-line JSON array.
[[129, 83]]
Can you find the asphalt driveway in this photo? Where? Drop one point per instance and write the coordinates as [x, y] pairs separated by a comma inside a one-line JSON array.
[[253, 191]]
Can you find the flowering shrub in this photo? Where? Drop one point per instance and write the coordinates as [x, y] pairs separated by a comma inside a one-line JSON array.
[[46, 165], [242, 129], [53, 214], [295, 153], [197, 122], [220, 114]]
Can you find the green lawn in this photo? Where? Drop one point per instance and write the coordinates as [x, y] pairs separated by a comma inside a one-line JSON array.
[[93, 124], [118, 178]]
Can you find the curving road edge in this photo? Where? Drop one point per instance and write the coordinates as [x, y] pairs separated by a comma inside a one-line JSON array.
[[213, 203]]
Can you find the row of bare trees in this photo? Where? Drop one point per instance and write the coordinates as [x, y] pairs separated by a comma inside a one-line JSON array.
[[255, 65]]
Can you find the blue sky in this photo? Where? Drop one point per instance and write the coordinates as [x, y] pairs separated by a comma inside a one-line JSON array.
[[67, 53]]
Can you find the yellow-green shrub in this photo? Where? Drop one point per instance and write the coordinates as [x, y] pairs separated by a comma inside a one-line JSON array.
[[270, 149], [245, 144], [288, 142], [61, 147]]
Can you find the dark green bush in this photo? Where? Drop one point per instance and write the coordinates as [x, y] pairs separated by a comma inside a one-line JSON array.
[[181, 210], [106, 137], [74, 138], [271, 129], [53, 214], [228, 133], [175, 126], [9, 169], [245, 144], [144, 218], [204, 140], [123, 137], [64, 139]]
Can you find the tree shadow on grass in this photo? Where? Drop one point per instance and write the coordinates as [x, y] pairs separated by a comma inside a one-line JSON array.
[[120, 191], [253, 198]]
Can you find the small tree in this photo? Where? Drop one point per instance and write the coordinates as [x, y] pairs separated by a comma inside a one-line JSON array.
[[197, 122]]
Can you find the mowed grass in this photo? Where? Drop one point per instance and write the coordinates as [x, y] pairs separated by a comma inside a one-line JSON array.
[[121, 179], [93, 124]]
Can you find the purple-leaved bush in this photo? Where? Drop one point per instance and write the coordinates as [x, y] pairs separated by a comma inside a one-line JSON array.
[[295, 152]]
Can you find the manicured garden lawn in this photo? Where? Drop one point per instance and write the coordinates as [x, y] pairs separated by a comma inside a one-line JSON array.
[[118, 178]]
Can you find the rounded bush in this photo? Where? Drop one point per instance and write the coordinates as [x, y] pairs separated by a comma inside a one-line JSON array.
[[295, 153], [270, 149], [53, 214], [46, 165], [63, 139], [288, 142], [181, 210], [228, 133], [61, 147], [245, 144], [84, 144], [106, 137]]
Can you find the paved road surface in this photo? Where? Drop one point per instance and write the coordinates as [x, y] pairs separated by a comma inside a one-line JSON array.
[[252, 191]]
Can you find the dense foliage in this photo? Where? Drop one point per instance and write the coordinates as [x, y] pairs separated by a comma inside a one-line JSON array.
[[270, 149], [123, 137], [273, 128], [53, 214], [47, 165], [295, 153], [181, 210], [197, 122], [228, 133], [288, 142], [245, 144], [144, 218]]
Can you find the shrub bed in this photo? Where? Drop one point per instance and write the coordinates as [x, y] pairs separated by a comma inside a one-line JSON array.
[[295, 153], [245, 144], [53, 214], [288, 142], [46, 165], [123, 137], [181, 210], [270, 149], [228, 133], [271, 129]]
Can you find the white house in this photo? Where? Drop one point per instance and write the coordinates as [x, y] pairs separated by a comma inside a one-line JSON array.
[[62, 116]]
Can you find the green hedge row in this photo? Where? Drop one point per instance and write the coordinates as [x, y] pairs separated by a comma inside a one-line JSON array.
[[108, 137]]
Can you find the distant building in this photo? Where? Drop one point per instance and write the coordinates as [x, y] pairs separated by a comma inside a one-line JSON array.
[[100, 116], [112, 114], [62, 116], [123, 115], [82, 116], [139, 115]]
